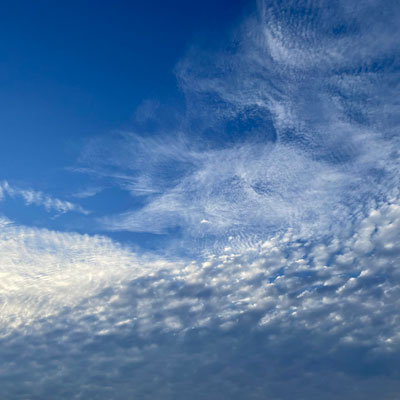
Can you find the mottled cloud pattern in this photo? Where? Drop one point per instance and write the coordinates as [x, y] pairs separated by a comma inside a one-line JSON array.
[[289, 317], [295, 294]]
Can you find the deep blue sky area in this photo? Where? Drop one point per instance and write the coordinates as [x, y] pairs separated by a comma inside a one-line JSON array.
[[71, 70]]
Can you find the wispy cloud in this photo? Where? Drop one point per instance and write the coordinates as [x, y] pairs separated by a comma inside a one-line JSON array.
[[40, 199], [252, 186], [291, 127], [88, 192]]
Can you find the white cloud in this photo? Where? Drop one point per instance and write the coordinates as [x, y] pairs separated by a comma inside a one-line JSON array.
[[43, 272], [299, 298], [39, 199], [89, 293], [88, 192], [289, 278], [255, 187], [325, 164], [325, 146]]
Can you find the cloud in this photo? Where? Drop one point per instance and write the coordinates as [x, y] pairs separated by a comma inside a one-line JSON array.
[[146, 110], [88, 192], [286, 166], [252, 186], [40, 199], [44, 272], [291, 125], [289, 316]]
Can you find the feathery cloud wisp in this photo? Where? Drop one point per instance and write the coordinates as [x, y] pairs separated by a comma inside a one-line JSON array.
[[317, 131], [40, 199]]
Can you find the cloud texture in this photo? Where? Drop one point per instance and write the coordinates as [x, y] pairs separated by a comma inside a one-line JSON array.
[[287, 317], [285, 167]]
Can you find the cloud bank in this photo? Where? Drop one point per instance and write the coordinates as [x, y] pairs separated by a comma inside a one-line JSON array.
[[287, 317]]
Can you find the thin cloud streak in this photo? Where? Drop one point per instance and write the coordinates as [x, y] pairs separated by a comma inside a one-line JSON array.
[[40, 199]]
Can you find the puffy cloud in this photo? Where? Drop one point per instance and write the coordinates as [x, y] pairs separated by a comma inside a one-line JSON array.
[[43, 272], [318, 315]]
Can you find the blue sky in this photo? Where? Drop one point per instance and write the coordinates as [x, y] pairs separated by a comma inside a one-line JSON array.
[[71, 72], [199, 199]]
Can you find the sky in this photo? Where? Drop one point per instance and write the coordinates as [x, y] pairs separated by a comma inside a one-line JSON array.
[[199, 200]]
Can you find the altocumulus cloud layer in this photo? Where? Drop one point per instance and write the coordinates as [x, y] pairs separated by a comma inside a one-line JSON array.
[[291, 169], [289, 317]]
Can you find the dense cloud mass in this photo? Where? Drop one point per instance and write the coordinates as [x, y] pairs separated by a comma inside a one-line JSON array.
[[289, 317], [285, 167]]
